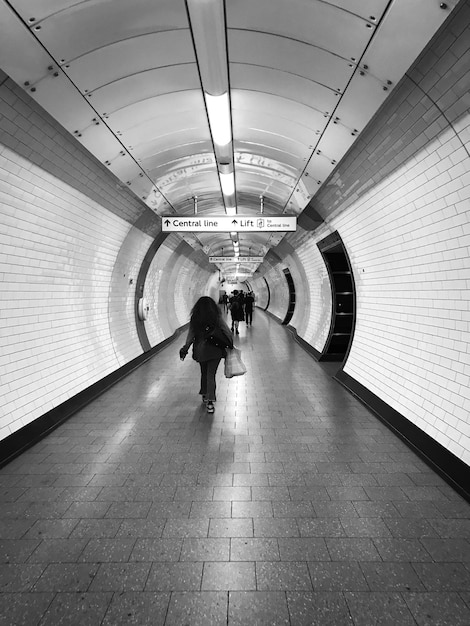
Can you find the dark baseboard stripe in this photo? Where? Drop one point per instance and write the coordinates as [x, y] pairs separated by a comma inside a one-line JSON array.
[[22, 439], [447, 465], [274, 317], [305, 345]]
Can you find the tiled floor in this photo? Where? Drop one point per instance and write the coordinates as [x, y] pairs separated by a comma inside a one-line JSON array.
[[292, 504]]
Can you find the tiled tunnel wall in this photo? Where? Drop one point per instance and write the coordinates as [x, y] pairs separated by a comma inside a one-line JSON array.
[[70, 255], [73, 241], [400, 201]]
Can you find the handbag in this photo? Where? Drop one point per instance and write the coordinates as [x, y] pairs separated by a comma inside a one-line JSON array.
[[216, 338], [234, 365]]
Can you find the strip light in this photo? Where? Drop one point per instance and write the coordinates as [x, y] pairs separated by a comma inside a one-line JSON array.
[[207, 18], [218, 110], [227, 182]]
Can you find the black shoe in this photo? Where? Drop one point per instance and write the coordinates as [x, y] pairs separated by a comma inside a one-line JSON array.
[[210, 406]]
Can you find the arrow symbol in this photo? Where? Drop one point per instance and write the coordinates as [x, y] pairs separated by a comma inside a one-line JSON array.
[[167, 222], [234, 222]]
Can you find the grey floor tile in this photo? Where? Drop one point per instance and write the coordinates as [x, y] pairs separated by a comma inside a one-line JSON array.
[[239, 527], [17, 550], [252, 509], [104, 550], [352, 549], [77, 608], [229, 576], [51, 529], [303, 549], [141, 528], [337, 576], [66, 577], [292, 576], [58, 551], [258, 549], [335, 509], [293, 509], [257, 608], [392, 577], [443, 576], [447, 550], [211, 549], [409, 528], [95, 528], [156, 549], [120, 577], [320, 527], [137, 608], [210, 509], [458, 509], [365, 527], [19, 577], [128, 510], [322, 608], [16, 528], [266, 527], [186, 528], [451, 528], [197, 608], [374, 608], [167, 576], [23, 609], [438, 609], [406, 550]]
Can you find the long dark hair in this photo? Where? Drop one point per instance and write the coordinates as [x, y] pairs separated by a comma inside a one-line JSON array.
[[204, 313]]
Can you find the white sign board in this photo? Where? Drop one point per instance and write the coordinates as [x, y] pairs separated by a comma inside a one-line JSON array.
[[228, 223], [238, 278], [236, 259]]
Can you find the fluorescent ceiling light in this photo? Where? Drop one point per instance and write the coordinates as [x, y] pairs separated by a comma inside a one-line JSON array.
[[218, 110], [231, 210], [207, 19], [227, 182]]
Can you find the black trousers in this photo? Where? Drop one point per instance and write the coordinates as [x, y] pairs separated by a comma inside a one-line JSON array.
[[208, 372]]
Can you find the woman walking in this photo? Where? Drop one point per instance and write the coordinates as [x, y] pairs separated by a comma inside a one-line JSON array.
[[210, 337]]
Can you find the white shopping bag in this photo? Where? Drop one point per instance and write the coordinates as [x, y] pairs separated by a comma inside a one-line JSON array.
[[234, 365]]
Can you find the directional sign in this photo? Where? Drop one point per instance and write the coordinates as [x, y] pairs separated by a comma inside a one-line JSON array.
[[228, 223], [237, 278], [236, 259]]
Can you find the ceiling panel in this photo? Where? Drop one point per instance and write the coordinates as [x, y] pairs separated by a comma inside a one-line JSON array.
[[299, 58], [69, 30], [130, 56], [318, 23]]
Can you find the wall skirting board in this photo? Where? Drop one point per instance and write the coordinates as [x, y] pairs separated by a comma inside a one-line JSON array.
[[305, 345], [25, 437], [447, 465]]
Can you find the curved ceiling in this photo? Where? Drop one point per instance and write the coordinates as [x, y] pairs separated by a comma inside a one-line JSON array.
[[305, 77]]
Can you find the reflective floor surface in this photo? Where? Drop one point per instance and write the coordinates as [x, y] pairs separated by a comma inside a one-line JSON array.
[[291, 504]]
